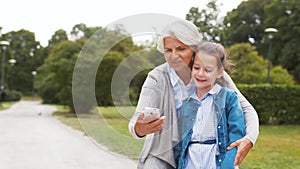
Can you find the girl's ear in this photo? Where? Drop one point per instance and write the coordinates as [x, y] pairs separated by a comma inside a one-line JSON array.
[[220, 72]]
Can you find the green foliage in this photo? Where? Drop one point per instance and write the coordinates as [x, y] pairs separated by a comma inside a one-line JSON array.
[[278, 75], [207, 20], [249, 20], [12, 96], [104, 77], [275, 104], [246, 21], [59, 36], [26, 51], [284, 16], [251, 68], [54, 80], [81, 30]]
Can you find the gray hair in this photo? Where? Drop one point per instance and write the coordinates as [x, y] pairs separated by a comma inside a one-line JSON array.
[[185, 31]]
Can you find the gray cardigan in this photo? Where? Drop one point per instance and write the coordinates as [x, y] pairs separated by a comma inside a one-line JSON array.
[[157, 92]]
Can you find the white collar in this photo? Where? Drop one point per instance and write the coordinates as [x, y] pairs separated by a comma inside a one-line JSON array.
[[174, 78], [214, 90]]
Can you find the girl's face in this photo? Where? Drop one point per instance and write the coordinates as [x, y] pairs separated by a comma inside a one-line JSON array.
[[205, 71], [177, 54]]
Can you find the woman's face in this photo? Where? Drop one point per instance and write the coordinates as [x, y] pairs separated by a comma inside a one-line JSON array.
[[177, 54]]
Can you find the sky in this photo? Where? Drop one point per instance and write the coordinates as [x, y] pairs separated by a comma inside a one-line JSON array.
[[44, 17]]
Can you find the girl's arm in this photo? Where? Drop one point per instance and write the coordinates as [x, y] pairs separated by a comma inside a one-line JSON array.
[[236, 128]]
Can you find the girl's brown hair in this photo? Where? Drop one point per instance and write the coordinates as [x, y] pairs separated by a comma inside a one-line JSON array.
[[218, 51]]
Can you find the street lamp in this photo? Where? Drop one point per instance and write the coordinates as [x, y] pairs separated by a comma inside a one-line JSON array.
[[33, 74], [12, 63], [4, 45], [270, 32]]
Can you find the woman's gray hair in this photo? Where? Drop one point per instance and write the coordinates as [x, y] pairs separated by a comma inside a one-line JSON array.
[[185, 31]]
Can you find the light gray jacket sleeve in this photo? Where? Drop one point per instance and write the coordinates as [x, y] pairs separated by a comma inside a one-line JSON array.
[[147, 98], [251, 117]]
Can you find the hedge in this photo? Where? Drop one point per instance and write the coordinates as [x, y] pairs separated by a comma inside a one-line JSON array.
[[275, 104]]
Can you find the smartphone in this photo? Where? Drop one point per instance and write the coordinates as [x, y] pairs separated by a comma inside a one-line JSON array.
[[148, 111]]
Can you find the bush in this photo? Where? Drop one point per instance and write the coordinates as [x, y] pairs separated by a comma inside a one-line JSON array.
[[11, 95], [275, 104]]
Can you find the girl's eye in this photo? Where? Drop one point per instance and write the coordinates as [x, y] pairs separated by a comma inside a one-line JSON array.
[[208, 70], [196, 68]]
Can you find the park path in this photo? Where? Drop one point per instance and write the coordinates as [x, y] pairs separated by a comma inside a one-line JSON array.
[[30, 138]]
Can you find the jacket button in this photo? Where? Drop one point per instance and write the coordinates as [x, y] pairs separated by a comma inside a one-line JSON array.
[[219, 127], [220, 143]]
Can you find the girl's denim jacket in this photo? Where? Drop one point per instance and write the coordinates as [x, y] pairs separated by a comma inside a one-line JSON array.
[[230, 126]]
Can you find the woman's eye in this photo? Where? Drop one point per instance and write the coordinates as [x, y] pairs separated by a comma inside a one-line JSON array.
[[196, 68], [168, 50], [181, 48]]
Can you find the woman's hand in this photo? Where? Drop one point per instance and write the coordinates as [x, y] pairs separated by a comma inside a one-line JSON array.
[[244, 146], [148, 125]]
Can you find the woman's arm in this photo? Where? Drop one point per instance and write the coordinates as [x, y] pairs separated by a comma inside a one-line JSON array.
[[138, 126]]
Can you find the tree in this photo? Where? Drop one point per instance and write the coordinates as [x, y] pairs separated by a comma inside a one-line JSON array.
[[251, 68], [81, 30], [245, 23], [27, 53], [284, 16], [248, 22], [207, 20], [54, 80], [59, 35], [77, 70]]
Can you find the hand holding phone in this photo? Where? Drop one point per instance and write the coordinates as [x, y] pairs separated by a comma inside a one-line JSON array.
[[149, 111]]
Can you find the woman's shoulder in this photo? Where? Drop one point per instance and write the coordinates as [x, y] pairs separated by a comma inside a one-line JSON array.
[[161, 70]]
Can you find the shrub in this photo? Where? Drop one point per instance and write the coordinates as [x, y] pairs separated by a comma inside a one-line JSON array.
[[275, 104], [11, 96]]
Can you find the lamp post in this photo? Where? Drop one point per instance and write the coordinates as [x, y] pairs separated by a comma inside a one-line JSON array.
[[33, 74], [12, 63], [4, 45], [270, 32]]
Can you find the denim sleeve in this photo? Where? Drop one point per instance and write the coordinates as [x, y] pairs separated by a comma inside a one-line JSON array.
[[250, 114], [236, 124]]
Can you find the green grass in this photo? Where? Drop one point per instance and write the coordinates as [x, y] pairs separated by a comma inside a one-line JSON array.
[[277, 146], [106, 126], [6, 105]]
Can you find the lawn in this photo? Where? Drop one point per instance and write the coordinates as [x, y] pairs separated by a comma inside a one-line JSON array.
[[277, 146], [6, 105]]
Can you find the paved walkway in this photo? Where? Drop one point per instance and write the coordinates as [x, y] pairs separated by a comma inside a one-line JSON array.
[[30, 138]]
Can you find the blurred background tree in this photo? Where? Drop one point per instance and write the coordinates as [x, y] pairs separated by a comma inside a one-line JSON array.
[[241, 31]]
